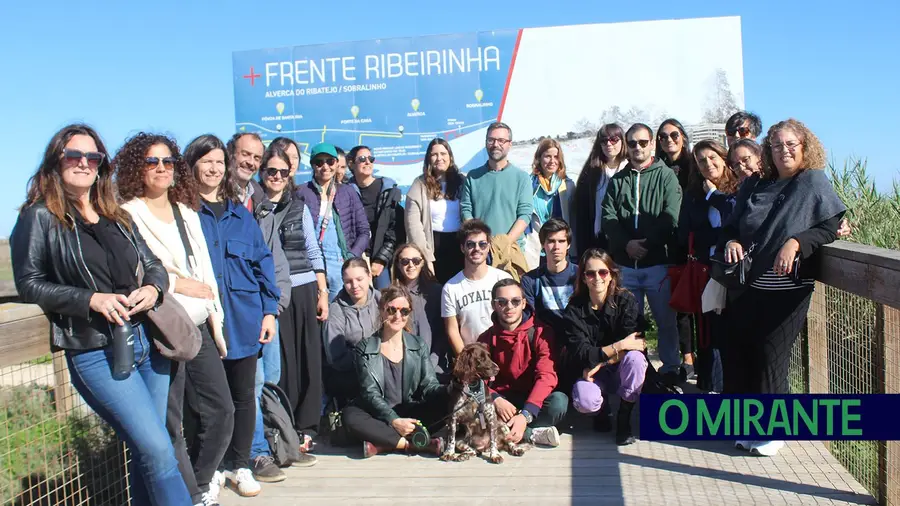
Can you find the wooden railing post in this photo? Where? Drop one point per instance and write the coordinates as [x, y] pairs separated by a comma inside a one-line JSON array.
[[63, 394], [817, 342], [888, 323]]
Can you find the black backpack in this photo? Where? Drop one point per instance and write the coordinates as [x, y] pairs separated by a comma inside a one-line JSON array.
[[278, 425]]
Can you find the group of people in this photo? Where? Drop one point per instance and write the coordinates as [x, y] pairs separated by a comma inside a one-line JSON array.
[[355, 302]]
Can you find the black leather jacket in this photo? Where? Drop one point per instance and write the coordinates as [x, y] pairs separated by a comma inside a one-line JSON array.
[[50, 271], [419, 382]]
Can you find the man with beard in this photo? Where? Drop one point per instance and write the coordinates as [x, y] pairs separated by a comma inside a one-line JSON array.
[[245, 152], [523, 391], [498, 193], [640, 215]]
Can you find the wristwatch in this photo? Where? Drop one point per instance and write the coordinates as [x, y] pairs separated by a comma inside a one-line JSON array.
[[528, 416]]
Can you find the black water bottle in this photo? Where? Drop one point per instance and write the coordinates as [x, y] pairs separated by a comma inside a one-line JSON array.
[[123, 350]]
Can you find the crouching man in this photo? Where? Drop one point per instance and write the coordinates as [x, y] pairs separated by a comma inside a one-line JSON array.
[[523, 390]]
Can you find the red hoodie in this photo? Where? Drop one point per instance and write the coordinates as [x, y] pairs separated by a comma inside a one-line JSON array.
[[525, 370]]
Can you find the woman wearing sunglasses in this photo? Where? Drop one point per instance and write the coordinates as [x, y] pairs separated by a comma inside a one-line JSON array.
[[352, 316], [160, 194], [75, 253], [408, 269], [432, 211], [603, 337], [299, 371], [397, 384], [607, 157], [341, 227], [245, 272]]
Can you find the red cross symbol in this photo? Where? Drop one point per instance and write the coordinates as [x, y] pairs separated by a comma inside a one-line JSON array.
[[251, 76]]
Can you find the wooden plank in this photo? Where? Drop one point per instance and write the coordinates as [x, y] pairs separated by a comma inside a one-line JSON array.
[[63, 394], [869, 280], [891, 331], [871, 255], [817, 342], [23, 340]]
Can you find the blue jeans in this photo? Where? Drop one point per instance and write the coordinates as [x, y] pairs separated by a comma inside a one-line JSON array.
[[383, 280], [268, 370], [135, 407], [333, 275], [654, 283]]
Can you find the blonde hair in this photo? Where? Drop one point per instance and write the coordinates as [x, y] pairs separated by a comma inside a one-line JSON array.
[[541, 149]]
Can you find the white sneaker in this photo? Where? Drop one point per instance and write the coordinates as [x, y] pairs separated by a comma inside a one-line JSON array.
[[766, 448], [218, 480], [743, 445], [243, 482], [208, 499], [547, 436]]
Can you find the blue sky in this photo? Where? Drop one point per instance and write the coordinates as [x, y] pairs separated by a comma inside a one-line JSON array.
[[166, 66]]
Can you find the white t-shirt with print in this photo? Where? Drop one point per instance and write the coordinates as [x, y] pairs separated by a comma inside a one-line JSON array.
[[470, 302]]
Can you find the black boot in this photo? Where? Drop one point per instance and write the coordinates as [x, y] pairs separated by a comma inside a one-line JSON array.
[[623, 424], [602, 422]]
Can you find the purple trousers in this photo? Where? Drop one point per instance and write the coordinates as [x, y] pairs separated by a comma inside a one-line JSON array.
[[626, 378]]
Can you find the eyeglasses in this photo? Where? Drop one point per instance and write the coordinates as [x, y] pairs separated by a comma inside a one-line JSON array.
[[739, 131], [392, 310], [153, 162], [415, 261], [363, 159], [610, 140], [502, 302], [495, 140], [674, 135], [470, 245], [642, 142], [787, 146], [319, 162], [271, 171], [94, 159], [603, 273]]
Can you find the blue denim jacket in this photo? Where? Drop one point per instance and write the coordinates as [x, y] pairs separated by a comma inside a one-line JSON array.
[[245, 273]]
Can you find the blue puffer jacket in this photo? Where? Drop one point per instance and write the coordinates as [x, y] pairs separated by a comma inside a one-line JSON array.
[[245, 273], [348, 206]]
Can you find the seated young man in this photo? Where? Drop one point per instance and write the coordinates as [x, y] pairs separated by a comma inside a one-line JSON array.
[[523, 390]]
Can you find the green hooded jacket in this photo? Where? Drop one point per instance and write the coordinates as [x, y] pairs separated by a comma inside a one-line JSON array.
[[642, 205]]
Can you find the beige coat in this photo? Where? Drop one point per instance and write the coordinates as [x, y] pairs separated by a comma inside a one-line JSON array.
[[418, 219]]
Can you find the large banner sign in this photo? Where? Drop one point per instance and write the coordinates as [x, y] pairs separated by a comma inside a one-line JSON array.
[[396, 95]]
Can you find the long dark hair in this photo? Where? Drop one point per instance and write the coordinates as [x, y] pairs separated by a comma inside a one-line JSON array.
[[451, 176], [276, 151], [728, 183], [397, 272], [200, 147], [46, 183], [581, 289], [130, 165]]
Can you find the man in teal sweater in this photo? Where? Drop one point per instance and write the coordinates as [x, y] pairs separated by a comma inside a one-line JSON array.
[[498, 193]]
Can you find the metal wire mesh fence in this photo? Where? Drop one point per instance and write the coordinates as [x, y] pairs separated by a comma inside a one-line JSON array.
[[53, 449], [847, 349]]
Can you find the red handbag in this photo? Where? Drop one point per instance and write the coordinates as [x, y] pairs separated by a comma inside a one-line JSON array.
[[688, 282]]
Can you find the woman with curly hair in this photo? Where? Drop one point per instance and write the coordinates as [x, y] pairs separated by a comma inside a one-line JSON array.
[[551, 192], [245, 275], [432, 211], [781, 219], [76, 253], [607, 157], [707, 204], [160, 194]]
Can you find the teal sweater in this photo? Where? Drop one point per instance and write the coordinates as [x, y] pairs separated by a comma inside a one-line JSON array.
[[498, 198]]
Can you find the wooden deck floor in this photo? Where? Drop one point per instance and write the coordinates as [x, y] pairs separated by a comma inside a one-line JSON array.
[[586, 468]]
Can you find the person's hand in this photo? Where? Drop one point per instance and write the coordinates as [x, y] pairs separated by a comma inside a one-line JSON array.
[[193, 288], [112, 306], [322, 307], [142, 299], [505, 409], [517, 427], [635, 248], [588, 374], [734, 252], [708, 186], [784, 260], [377, 268], [633, 342], [267, 333], [844, 230], [404, 426]]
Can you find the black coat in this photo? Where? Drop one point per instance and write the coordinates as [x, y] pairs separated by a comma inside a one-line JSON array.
[[50, 271], [695, 218], [586, 331]]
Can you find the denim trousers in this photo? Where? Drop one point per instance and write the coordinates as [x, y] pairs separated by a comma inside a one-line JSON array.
[[625, 378], [653, 282], [135, 407], [268, 370]]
